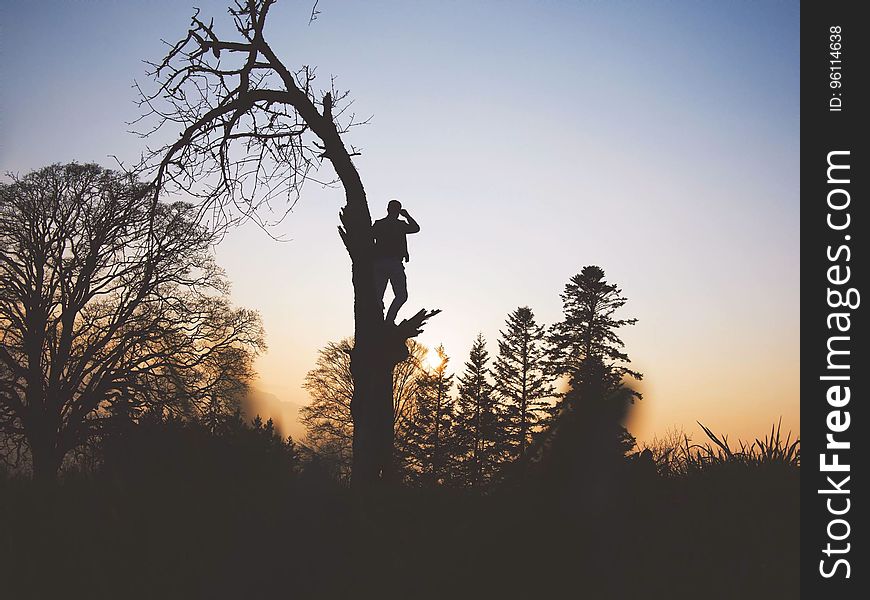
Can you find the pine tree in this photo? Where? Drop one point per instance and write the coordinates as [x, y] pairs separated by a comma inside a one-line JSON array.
[[429, 447], [586, 348], [520, 379], [479, 422]]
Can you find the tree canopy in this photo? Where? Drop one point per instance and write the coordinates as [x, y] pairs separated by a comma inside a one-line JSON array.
[[108, 304]]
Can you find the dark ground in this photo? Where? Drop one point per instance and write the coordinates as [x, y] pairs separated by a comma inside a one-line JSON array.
[[168, 532]]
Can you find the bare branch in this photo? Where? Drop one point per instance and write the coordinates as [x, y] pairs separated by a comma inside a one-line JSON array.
[[252, 131]]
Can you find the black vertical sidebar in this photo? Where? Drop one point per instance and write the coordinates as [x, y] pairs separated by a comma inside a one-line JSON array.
[[835, 168]]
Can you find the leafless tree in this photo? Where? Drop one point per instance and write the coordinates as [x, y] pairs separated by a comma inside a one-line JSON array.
[[108, 305], [253, 130], [327, 419]]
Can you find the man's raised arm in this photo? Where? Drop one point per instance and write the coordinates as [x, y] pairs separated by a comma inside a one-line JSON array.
[[413, 226]]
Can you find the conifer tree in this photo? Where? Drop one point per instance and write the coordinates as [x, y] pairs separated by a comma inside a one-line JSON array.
[[479, 422], [586, 348], [428, 448], [520, 379]]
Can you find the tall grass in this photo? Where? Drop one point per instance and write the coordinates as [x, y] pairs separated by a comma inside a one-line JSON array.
[[676, 455]]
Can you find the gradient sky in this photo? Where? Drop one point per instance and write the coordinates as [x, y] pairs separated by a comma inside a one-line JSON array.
[[659, 140]]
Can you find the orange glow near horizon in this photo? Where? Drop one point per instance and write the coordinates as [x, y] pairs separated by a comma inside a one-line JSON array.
[[658, 141]]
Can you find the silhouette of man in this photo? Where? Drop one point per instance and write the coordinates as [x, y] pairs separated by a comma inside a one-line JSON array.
[[391, 248]]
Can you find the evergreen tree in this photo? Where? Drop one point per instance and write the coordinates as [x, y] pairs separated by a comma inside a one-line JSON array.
[[520, 379], [479, 422], [586, 348], [428, 447]]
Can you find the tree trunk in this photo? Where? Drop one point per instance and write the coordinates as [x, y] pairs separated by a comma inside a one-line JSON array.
[[524, 401], [436, 448], [44, 454], [378, 346], [374, 356]]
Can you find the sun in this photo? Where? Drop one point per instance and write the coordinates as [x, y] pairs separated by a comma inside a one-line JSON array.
[[433, 360]]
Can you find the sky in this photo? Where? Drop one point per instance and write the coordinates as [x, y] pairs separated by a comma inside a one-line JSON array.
[[658, 140]]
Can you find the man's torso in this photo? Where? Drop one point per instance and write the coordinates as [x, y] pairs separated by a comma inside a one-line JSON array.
[[390, 240]]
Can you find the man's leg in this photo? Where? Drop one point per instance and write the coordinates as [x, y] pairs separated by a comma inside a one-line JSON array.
[[381, 278], [399, 283]]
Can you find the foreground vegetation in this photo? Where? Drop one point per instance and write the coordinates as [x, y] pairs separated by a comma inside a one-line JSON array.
[[178, 510]]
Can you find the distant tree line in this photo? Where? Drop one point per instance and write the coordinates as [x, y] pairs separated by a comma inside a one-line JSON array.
[[500, 416]]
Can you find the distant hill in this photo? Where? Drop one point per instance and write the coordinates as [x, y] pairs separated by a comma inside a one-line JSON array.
[[284, 414]]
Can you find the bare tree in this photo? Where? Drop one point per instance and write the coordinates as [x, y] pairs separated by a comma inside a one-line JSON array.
[[253, 130], [108, 304], [328, 420]]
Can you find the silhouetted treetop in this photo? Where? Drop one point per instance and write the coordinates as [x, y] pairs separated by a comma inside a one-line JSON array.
[[479, 429], [252, 130], [585, 344], [520, 378], [430, 447], [106, 310]]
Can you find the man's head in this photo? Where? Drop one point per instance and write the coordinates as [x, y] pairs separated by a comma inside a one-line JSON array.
[[394, 207]]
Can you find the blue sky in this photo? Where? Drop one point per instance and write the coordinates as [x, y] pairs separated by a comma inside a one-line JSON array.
[[659, 140]]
